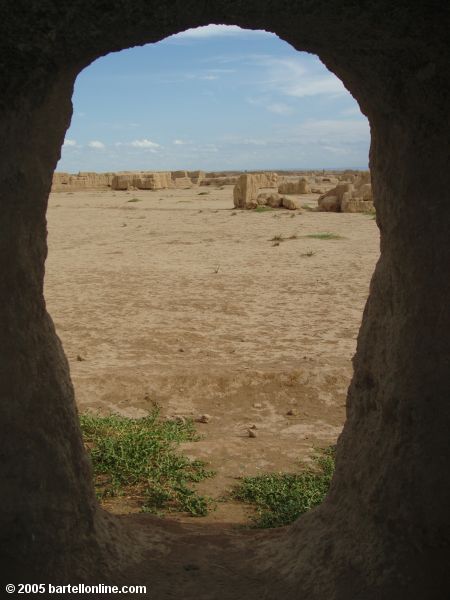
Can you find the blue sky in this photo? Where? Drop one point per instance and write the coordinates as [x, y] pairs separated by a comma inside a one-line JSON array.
[[213, 98]]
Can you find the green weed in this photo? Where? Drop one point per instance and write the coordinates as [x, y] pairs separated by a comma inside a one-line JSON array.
[[325, 236], [138, 457], [280, 498]]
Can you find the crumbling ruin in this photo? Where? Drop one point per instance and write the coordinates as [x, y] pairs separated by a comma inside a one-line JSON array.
[[383, 531], [349, 197]]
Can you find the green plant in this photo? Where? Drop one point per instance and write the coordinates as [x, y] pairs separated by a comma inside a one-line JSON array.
[[325, 236], [280, 498], [138, 457], [262, 208], [135, 200]]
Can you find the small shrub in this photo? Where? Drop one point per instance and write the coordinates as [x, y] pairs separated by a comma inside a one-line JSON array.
[[262, 208], [134, 200], [325, 236], [138, 457], [280, 498]]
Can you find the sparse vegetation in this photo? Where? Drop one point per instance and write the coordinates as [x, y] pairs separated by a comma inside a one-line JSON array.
[[280, 238], [325, 236], [202, 193], [262, 208], [308, 252], [134, 200], [308, 207], [138, 458], [280, 498]]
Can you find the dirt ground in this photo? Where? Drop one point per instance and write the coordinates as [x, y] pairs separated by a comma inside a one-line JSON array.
[[180, 300]]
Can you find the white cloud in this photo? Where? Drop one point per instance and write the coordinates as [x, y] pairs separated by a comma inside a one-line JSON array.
[[215, 30], [144, 143], [290, 76], [96, 144], [279, 108], [179, 142], [70, 143]]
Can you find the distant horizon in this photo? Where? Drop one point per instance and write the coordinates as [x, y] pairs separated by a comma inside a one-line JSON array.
[[268, 169], [218, 96]]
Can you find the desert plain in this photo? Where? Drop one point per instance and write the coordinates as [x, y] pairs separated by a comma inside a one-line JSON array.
[[175, 298]]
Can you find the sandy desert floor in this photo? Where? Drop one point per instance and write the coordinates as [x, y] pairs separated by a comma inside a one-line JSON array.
[[180, 300]]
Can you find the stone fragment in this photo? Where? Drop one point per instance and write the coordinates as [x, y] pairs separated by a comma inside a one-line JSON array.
[[274, 200], [290, 203], [355, 205], [261, 200], [336, 193], [329, 204], [203, 418]]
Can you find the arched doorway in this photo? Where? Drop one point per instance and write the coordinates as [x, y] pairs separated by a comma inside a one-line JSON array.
[[365, 539]]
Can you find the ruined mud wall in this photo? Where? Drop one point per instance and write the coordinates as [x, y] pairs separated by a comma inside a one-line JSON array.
[[384, 530]]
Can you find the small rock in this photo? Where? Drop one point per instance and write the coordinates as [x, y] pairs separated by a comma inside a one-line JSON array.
[[180, 349], [257, 405], [251, 433], [80, 358], [177, 419], [291, 412], [203, 419], [253, 426]]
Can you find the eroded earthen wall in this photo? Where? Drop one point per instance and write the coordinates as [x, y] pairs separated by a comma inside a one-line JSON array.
[[384, 530]]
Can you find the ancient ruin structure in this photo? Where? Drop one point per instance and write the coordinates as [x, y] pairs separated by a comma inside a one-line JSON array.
[[126, 180], [383, 532], [349, 197], [301, 186]]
